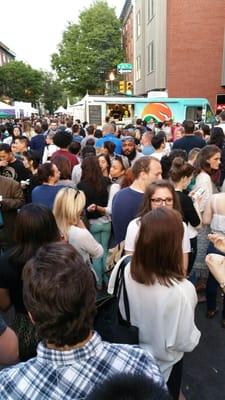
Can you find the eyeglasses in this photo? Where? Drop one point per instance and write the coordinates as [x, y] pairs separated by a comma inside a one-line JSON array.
[[168, 201]]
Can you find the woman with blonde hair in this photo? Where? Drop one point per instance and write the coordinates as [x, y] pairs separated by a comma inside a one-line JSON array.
[[68, 207]]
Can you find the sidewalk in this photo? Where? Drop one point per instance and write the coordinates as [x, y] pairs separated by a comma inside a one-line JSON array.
[[204, 368]]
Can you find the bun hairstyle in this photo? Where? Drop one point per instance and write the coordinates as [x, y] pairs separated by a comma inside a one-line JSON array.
[[180, 169]]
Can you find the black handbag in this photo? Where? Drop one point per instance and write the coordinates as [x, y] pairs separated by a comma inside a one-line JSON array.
[[109, 322]]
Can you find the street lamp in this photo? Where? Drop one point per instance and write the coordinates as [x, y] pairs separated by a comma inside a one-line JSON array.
[[111, 78]]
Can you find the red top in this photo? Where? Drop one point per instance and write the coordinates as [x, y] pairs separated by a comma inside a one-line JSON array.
[[65, 153]]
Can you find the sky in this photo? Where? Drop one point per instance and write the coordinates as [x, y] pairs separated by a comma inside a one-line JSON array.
[[33, 28]]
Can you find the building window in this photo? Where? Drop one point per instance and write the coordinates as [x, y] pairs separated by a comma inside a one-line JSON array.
[[150, 57], [150, 9], [138, 68], [138, 23]]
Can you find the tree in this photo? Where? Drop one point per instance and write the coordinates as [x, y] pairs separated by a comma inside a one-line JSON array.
[[20, 82], [89, 50], [53, 93]]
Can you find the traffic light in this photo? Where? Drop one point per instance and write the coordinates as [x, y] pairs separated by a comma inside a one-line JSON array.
[[122, 86], [129, 88]]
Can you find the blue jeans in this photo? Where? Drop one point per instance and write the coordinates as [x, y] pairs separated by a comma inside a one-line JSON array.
[[101, 233], [212, 286]]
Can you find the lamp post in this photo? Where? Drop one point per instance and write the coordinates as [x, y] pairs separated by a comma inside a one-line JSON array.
[[111, 78]]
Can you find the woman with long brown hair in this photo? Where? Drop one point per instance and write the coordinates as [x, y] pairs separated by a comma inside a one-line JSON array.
[[96, 189], [161, 300], [206, 166]]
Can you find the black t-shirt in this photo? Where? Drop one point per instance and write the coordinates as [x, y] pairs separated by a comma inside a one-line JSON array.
[[93, 197], [188, 210], [10, 278], [15, 170]]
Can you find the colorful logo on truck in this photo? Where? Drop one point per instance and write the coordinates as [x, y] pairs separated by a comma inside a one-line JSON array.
[[158, 111]]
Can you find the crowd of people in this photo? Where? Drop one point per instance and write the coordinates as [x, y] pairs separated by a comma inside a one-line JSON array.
[[75, 201]]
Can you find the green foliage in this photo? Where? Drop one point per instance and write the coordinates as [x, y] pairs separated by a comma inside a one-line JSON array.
[[89, 50], [53, 93], [20, 82]]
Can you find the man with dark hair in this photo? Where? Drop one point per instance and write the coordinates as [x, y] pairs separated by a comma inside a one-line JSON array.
[[10, 166], [90, 135], [189, 140], [159, 144], [129, 149], [21, 145], [59, 294], [129, 387], [127, 201], [63, 139]]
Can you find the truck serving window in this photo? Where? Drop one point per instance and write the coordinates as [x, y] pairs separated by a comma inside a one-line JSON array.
[[194, 113]]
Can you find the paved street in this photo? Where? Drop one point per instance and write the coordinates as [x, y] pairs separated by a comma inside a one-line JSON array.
[[204, 368]]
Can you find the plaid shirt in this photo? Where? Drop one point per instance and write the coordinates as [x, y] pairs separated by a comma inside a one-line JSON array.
[[73, 374]]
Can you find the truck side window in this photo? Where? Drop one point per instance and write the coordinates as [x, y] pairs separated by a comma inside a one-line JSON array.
[[194, 113]]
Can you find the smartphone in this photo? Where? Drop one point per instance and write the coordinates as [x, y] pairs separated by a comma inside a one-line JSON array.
[[198, 193]]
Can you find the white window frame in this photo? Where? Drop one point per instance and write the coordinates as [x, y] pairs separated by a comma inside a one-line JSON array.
[[138, 18], [150, 9], [151, 61], [138, 68]]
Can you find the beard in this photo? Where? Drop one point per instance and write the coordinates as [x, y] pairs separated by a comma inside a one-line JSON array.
[[130, 156]]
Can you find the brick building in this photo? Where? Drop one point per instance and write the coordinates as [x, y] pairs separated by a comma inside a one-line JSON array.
[[196, 48], [6, 55], [127, 17], [180, 46]]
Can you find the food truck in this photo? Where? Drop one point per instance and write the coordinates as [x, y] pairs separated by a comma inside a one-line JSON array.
[[126, 109]]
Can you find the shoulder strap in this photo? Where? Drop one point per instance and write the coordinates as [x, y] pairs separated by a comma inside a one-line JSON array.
[[120, 283], [120, 273]]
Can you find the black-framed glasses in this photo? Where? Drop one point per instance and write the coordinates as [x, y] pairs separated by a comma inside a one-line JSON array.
[[168, 201]]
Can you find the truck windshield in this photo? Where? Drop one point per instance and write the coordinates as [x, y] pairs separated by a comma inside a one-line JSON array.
[[210, 117]]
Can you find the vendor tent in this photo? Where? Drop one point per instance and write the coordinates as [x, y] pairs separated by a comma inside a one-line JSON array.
[[60, 110], [6, 111]]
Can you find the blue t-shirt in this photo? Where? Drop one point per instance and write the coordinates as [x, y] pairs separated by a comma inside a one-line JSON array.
[[125, 207], [110, 138], [148, 150], [45, 194]]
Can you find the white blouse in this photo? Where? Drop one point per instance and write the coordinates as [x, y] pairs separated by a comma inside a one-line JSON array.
[[164, 316]]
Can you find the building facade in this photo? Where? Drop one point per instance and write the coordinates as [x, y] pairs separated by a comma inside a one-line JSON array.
[[127, 18], [6, 55], [180, 46]]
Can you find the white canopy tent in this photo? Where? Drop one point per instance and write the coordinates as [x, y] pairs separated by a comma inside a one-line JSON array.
[[4, 106], [6, 111], [60, 110]]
